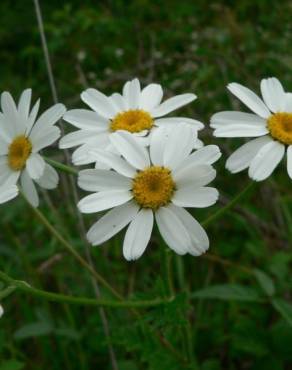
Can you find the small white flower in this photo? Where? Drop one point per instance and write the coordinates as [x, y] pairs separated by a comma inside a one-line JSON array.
[[151, 182], [271, 125], [1, 311], [136, 111], [21, 139]]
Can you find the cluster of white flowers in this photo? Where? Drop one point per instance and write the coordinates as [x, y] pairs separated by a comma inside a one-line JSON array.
[[146, 167]]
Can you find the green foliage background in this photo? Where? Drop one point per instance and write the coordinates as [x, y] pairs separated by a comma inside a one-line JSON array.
[[224, 316]]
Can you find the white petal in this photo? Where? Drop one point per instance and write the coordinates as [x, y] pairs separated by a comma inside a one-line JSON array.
[[289, 161], [250, 99], [172, 104], [240, 131], [178, 120], [138, 235], [6, 131], [173, 230], [287, 103], [76, 138], [24, 103], [83, 155], [131, 93], [99, 180], [29, 189], [151, 97], [3, 146], [111, 223], [119, 102], [98, 102], [7, 192], [49, 179], [11, 114], [198, 197], [32, 117], [195, 175], [86, 119], [35, 166], [273, 93], [242, 157], [115, 162], [231, 118], [206, 155], [104, 200], [44, 137], [48, 118], [8, 176], [129, 147], [199, 237], [178, 146], [158, 139], [266, 160], [1, 311]]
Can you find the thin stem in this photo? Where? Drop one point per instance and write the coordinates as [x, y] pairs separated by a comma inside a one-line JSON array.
[[228, 206], [72, 251], [62, 167], [56, 297]]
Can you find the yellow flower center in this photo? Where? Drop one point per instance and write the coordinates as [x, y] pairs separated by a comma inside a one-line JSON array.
[[18, 152], [153, 187], [132, 120], [280, 127]]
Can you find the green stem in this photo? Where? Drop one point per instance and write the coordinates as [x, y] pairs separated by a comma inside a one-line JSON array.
[[228, 206], [62, 167], [7, 291], [56, 297], [73, 252]]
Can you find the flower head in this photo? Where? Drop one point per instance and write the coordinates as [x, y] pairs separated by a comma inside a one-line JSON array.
[[22, 136], [136, 111], [271, 124], [147, 183]]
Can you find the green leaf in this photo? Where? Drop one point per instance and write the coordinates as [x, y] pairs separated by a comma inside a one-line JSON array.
[[11, 365], [35, 329], [265, 281], [284, 308], [228, 292]]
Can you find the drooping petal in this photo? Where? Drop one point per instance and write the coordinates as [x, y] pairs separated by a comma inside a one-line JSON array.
[[250, 99], [101, 180], [199, 237], [266, 160], [50, 178], [104, 200], [138, 235], [198, 198], [172, 230], [7, 192], [111, 223], [35, 166], [289, 161], [151, 97], [172, 104], [29, 189], [129, 147], [241, 158], [273, 93]]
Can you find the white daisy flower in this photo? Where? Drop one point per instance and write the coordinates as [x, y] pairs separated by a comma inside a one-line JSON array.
[[147, 183], [136, 111], [1, 311], [22, 136], [271, 124]]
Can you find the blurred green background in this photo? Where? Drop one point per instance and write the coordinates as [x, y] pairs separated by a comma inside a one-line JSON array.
[[187, 46]]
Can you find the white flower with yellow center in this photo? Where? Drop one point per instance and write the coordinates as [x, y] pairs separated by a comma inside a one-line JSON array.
[[271, 125], [151, 182], [22, 136], [136, 111]]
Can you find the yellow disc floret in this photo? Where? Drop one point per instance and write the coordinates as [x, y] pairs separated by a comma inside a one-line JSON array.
[[132, 120], [280, 127], [18, 152], [153, 187]]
